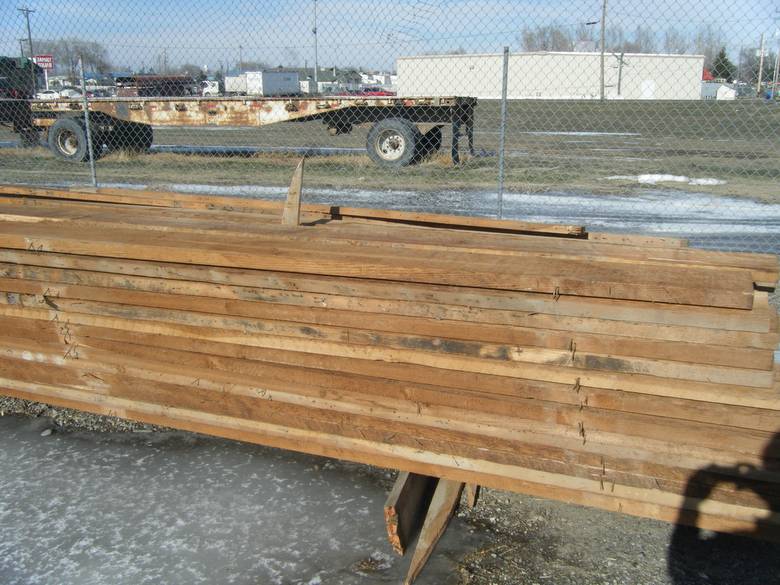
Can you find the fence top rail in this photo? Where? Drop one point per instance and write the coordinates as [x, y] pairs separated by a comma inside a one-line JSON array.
[[361, 100]]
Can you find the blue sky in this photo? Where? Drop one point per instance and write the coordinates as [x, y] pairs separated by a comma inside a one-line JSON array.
[[367, 33]]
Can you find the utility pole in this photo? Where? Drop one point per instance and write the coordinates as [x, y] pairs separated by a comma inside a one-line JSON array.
[[316, 60], [739, 65], [620, 74], [777, 55], [240, 59], [760, 67], [21, 47], [27, 11], [603, 48]]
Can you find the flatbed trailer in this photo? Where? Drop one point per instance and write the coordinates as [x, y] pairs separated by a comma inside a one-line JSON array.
[[402, 130]]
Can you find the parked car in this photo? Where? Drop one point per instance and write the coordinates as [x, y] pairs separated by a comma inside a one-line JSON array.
[[47, 94], [209, 88]]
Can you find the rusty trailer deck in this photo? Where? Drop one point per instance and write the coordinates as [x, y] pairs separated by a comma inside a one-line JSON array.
[[402, 129]]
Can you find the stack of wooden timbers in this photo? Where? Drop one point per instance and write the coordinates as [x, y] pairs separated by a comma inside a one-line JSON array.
[[628, 373]]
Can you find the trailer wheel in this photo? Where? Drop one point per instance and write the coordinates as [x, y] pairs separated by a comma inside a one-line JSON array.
[[68, 140], [393, 142], [429, 143], [130, 136]]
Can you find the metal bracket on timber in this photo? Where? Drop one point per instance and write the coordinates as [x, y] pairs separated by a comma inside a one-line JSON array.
[[424, 504], [291, 214]]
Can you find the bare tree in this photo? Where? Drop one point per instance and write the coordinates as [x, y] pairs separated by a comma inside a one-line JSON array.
[[615, 39], [585, 33], [748, 65], [66, 53], [195, 71], [708, 41], [642, 40], [551, 37], [252, 66], [675, 42]]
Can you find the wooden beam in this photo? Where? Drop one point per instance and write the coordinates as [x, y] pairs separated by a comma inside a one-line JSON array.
[[472, 494], [688, 285], [291, 214], [173, 199], [406, 507], [443, 505], [611, 371]]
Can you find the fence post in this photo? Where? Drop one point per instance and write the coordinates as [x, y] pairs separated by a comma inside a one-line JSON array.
[[603, 41], [88, 128], [502, 144]]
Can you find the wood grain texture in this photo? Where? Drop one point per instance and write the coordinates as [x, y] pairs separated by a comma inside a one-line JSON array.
[[623, 372]]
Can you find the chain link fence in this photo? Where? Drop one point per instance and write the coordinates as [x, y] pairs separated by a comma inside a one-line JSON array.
[[658, 118]]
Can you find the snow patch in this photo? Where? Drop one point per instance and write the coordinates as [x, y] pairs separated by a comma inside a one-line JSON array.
[[583, 133], [652, 179]]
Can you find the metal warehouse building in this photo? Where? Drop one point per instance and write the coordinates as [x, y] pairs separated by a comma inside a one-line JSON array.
[[630, 76]]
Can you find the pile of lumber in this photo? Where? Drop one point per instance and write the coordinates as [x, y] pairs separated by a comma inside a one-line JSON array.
[[629, 373]]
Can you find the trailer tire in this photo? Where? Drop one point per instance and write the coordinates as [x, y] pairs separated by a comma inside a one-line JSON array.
[[68, 140], [131, 137], [392, 142], [429, 143]]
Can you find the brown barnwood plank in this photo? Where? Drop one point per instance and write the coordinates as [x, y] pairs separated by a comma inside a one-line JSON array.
[[531, 396], [405, 508], [288, 390], [169, 199], [443, 505], [529, 306], [495, 325], [452, 444], [484, 340], [396, 457], [472, 494], [716, 515], [727, 287], [764, 266], [442, 352], [434, 350], [417, 369], [291, 213], [702, 353], [539, 364]]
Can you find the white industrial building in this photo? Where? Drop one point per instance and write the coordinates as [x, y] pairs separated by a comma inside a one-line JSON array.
[[553, 75]]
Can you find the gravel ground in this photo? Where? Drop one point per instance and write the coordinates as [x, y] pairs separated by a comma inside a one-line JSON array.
[[73, 419]]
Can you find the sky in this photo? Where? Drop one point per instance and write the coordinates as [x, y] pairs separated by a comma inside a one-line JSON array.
[[369, 34]]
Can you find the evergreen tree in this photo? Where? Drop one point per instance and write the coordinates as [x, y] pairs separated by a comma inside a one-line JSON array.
[[722, 67]]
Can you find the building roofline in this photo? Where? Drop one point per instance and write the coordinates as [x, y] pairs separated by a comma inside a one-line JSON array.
[[532, 53]]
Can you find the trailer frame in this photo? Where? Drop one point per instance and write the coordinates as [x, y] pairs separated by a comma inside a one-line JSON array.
[[117, 120]]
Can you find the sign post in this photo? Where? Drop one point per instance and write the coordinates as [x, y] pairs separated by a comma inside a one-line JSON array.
[[45, 62]]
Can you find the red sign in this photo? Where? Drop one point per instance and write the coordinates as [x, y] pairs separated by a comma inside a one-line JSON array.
[[44, 61]]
